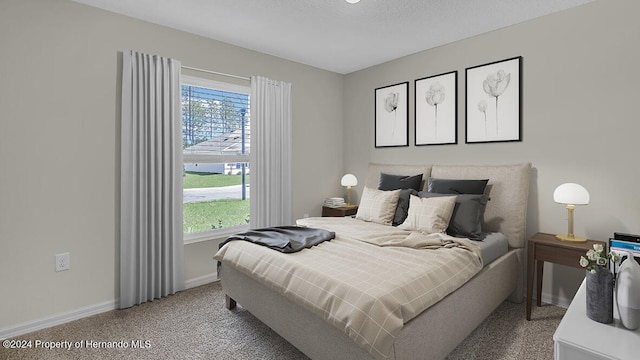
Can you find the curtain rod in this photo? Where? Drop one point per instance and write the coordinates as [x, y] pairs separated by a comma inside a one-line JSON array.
[[216, 73]]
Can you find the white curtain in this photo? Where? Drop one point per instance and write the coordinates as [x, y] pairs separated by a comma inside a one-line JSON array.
[[151, 244], [270, 188]]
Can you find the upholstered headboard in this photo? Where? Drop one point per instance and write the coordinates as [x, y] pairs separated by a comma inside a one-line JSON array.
[[508, 188]]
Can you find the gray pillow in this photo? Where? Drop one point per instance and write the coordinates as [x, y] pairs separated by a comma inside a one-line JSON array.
[[395, 182], [409, 185], [402, 209], [468, 214], [456, 186]]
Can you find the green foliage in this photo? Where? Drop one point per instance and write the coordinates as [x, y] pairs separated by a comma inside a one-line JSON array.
[[204, 216], [208, 113]]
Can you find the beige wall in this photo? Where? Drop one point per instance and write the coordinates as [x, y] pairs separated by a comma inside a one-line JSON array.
[[580, 117], [59, 146]]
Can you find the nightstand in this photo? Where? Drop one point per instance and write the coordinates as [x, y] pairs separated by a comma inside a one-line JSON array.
[[339, 211], [543, 247]]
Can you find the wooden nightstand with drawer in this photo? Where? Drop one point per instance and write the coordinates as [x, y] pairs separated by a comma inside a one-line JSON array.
[[543, 247]]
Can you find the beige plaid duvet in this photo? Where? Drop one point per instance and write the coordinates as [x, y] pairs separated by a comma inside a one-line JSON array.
[[368, 281]]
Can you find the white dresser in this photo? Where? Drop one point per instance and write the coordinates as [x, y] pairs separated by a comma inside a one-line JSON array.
[[580, 338]]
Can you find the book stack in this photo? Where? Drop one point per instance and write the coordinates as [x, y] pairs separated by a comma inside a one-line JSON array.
[[624, 244], [334, 202]]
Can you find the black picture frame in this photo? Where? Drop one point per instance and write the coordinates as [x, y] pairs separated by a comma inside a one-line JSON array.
[[436, 109], [493, 98], [391, 115]]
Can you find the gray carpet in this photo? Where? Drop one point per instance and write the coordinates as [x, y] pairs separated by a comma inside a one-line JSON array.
[[194, 324]]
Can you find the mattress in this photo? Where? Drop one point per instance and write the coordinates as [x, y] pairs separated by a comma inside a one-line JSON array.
[[492, 247]]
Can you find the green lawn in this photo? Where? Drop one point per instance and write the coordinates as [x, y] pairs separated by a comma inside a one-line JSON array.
[[209, 215], [204, 216], [204, 180]]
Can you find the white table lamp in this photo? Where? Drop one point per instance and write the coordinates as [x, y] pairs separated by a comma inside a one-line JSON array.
[[571, 195], [349, 180]]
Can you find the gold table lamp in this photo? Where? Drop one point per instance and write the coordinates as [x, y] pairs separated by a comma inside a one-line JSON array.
[[349, 180], [571, 194]]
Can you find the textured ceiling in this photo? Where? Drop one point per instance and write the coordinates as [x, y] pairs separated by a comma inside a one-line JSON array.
[[333, 34]]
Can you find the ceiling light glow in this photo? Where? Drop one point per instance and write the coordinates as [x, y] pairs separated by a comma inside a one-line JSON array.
[[352, 1]]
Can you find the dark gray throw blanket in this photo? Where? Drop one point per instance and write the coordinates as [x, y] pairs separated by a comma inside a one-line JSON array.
[[286, 239]]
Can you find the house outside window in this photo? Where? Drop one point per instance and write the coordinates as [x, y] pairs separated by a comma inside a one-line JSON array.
[[216, 146]]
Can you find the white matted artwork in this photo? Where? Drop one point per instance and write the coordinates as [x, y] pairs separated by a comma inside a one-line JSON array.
[[436, 109], [493, 101], [391, 115]]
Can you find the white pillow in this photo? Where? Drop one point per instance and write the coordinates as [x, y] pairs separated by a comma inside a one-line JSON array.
[[429, 215], [378, 206]]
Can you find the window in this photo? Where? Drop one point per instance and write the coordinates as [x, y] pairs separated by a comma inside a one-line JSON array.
[[216, 136]]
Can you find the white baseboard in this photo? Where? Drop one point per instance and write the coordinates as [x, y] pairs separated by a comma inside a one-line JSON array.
[[202, 280], [65, 317], [57, 319], [560, 301]]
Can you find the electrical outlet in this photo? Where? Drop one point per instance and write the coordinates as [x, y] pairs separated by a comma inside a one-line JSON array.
[[63, 262]]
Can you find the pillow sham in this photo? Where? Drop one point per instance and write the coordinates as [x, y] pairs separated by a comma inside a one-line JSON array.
[[468, 214], [429, 215], [456, 186], [395, 182], [377, 206]]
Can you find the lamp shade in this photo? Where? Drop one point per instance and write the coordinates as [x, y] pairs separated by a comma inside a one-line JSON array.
[[349, 180], [571, 193]]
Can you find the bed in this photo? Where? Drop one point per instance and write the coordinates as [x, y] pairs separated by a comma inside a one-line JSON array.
[[431, 333]]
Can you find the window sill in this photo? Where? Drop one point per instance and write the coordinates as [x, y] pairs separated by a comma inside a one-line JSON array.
[[214, 234]]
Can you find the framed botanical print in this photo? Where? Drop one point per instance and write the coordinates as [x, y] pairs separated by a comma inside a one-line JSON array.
[[436, 109], [493, 101], [391, 123]]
